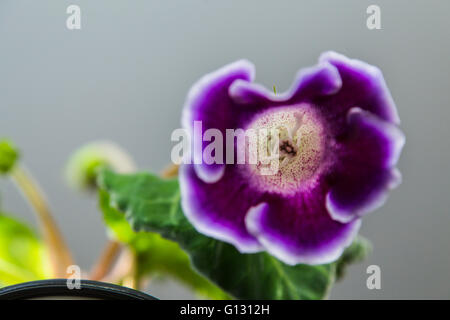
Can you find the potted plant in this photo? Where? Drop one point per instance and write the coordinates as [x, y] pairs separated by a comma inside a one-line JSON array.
[[271, 218]]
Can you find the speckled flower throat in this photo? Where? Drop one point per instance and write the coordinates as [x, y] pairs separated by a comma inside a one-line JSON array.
[[290, 149]]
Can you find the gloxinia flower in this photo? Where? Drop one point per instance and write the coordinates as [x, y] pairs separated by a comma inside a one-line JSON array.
[[338, 155]]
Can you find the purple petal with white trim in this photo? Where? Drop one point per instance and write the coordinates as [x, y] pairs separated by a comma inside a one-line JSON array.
[[218, 210], [317, 81], [208, 101], [363, 86], [299, 229], [365, 171]]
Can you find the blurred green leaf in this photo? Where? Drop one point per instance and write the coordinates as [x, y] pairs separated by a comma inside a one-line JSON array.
[[356, 252], [153, 204], [156, 255], [22, 255], [8, 156]]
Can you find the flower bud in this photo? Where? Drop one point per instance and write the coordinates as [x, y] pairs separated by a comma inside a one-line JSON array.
[[8, 156], [85, 163]]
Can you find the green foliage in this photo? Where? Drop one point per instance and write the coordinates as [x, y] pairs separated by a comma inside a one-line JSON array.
[[8, 156], [156, 255], [356, 252], [153, 204], [22, 255]]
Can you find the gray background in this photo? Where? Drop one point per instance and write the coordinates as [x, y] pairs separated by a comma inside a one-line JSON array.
[[125, 75]]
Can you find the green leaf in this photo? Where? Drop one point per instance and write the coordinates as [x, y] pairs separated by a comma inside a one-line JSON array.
[[356, 252], [156, 255], [22, 255], [8, 156], [153, 204]]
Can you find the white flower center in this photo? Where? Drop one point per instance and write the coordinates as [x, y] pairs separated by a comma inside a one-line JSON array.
[[292, 152]]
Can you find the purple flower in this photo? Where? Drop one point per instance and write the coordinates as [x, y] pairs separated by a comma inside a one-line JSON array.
[[338, 147]]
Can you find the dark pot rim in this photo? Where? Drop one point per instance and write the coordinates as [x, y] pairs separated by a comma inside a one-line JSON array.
[[58, 288]]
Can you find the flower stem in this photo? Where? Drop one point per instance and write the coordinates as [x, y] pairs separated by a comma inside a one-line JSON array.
[[131, 280], [60, 256], [106, 260], [120, 269], [170, 171]]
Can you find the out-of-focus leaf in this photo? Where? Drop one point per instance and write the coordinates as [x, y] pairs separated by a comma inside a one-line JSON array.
[[356, 252], [8, 156], [153, 204], [22, 255], [156, 255]]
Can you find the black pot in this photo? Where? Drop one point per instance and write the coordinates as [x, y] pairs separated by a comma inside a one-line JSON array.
[[58, 289]]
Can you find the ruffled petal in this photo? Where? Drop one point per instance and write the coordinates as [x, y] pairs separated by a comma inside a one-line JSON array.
[[320, 80], [218, 210], [363, 85], [208, 101], [365, 171], [370, 140], [355, 196], [299, 229]]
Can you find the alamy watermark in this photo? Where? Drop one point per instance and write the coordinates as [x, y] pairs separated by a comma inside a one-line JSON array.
[[373, 21], [74, 277], [374, 280], [73, 21], [260, 147]]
